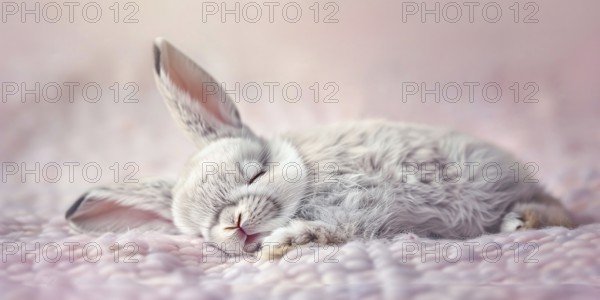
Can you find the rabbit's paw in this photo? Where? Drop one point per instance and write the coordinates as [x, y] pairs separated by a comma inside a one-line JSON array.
[[536, 216], [513, 221], [296, 234]]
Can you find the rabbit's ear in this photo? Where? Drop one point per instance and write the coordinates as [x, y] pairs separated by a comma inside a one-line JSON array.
[[145, 205], [194, 98]]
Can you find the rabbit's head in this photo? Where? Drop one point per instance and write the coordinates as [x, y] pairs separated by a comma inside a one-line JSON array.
[[237, 188]]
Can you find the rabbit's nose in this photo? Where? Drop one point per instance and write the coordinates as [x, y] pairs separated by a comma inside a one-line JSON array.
[[238, 226]]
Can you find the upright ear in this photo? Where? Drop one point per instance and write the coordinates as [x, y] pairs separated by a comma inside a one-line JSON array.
[[145, 205], [194, 98]]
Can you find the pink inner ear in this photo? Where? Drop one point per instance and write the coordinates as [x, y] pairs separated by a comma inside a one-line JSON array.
[[189, 78]]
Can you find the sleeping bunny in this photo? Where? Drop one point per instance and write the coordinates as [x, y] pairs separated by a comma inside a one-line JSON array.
[[330, 185]]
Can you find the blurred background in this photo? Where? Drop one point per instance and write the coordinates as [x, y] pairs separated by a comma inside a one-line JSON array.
[[365, 56]]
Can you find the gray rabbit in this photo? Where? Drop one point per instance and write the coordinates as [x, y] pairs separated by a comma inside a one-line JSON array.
[[330, 185]]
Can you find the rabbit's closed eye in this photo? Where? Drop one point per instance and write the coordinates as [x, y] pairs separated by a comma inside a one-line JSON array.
[[255, 177]]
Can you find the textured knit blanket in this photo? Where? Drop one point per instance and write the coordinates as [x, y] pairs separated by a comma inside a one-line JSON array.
[[43, 259]]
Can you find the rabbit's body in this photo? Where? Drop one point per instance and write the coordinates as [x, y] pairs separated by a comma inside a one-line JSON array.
[[378, 179], [329, 185]]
